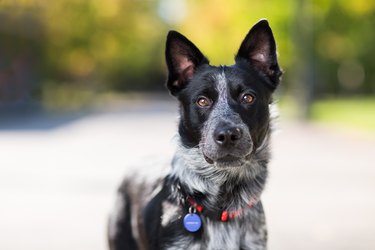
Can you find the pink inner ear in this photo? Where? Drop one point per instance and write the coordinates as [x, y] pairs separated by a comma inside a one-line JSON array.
[[261, 54], [260, 57], [183, 63], [185, 67], [185, 75], [261, 60]]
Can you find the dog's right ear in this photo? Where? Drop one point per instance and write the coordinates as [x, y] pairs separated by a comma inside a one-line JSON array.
[[183, 58]]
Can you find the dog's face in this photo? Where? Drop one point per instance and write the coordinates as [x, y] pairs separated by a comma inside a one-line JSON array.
[[225, 109]]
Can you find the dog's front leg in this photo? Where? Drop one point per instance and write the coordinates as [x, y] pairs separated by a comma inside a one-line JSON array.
[[120, 235], [254, 230]]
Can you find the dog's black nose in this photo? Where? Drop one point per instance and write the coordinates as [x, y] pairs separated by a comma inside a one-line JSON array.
[[227, 136]]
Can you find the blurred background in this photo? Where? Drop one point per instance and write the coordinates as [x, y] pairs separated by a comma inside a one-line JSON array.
[[82, 95]]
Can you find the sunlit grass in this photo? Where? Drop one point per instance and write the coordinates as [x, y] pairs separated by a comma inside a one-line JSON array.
[[342, 113], [357, 113]]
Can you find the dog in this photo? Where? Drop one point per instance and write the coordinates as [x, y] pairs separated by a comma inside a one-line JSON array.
[[210, 198]]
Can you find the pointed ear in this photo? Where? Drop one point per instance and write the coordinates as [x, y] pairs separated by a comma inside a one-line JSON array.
[[259, 50], [183, 58]]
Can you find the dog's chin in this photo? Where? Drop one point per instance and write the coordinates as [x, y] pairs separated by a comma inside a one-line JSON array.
[[227, 161]]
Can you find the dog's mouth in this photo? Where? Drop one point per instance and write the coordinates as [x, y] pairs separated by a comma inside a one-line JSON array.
[[208, 160], [225, 161]]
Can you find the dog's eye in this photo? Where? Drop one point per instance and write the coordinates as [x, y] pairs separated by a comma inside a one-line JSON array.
[[203, 102], [247, 99]]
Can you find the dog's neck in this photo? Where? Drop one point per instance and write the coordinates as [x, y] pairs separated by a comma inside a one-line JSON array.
[[228, 188]]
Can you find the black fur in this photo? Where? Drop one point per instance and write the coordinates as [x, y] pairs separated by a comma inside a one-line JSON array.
[[221, 162]]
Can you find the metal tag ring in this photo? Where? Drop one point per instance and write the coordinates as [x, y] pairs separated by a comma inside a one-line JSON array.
[[192, 210]]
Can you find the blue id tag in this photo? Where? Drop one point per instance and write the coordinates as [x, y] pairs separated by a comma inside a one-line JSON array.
[[192, 222]]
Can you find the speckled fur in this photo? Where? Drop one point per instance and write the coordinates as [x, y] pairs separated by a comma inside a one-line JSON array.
[[150, 208]]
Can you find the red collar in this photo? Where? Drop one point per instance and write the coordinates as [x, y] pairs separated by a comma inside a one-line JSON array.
[[223, 215]]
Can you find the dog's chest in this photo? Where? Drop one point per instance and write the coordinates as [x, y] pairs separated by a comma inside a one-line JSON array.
[[221, 235], [215, 236]]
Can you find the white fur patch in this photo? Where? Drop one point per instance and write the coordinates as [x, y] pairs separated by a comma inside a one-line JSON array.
[[222, 85], [274, 117], [223, 234], [170, 212]]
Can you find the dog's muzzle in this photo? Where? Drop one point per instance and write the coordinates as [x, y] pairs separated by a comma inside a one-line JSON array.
[[227, 145]]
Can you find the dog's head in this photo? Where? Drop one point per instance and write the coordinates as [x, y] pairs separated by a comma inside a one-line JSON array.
[[224, 109]]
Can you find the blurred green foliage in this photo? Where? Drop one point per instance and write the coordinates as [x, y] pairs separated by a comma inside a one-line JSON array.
[[118, 45], [343, 42], [346, 113]]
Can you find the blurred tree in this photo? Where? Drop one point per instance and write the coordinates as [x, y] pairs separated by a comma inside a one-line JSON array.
[[344, 51], [21, 54], [119, 44], [303, 69], [115, 43]]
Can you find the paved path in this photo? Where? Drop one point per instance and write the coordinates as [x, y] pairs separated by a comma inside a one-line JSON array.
[[57, 184]]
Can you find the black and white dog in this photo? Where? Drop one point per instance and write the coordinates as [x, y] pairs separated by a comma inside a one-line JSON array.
[[210, 199]]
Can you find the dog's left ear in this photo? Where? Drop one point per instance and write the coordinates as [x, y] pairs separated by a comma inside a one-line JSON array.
[[183, 58], [259, 50]]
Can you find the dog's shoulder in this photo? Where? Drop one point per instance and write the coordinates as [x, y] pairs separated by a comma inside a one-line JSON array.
[[144, 178], [142, 184]]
